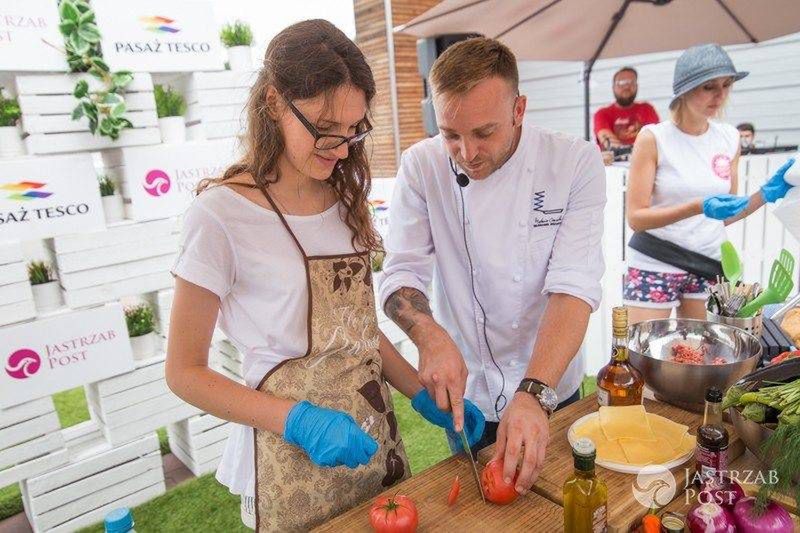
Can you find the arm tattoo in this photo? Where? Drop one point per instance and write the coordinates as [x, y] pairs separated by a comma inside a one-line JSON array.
[[404, 307]]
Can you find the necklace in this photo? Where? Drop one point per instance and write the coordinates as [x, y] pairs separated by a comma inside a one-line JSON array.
[[285, 210]]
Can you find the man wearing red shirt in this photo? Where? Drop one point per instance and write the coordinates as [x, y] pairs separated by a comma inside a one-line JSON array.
[[619, 123]]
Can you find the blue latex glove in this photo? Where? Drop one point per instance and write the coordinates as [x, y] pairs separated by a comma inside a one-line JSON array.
[[473, 417], [724, 206], [329, 437], [776, 187]]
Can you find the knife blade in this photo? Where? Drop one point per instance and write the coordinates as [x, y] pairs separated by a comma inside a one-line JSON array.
[[468, 450]]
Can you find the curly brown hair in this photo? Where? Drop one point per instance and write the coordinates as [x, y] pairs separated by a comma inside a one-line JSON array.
[[305, 60]]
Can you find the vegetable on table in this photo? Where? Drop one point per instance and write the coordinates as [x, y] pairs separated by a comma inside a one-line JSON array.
[[784, 356], [454, 490], [494, 486], [393, 514], [774, 518], [710, 518]]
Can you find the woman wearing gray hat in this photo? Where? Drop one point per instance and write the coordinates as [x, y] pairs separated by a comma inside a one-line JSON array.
[[682, 191]]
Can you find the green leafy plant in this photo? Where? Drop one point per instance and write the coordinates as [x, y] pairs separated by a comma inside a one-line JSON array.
[[169, 103], [376, 258], [107, 186], [9, 111], [140, 320], [236, 34], [104, 107], [40, 272]]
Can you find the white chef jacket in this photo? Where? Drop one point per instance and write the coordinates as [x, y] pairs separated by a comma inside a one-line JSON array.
[[533, 227]]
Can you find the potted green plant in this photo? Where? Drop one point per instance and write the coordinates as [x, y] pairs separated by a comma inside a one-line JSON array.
[[10, 132], [237, 38], [170, 107], [140, 320], [46, 290], [112, 201]]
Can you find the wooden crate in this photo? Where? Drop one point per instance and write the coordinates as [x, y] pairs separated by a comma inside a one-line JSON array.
[[102, 478], [161, 301], [47, 102], [17, 312], [227, 360], [198, 442], [11, 252], [30, 441], [216, 103], [136, 403]]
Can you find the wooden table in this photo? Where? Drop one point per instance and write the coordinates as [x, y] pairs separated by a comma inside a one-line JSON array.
[[429, 490], [540, 510]]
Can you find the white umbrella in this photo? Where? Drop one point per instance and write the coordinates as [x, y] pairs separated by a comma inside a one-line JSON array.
[[588, 30]]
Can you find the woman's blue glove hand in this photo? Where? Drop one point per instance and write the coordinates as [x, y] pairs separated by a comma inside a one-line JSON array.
[[776, 187], [473, 417], [724, 206], [329, 437]]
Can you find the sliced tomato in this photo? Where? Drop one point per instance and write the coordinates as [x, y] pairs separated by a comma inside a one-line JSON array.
[[454, 490]]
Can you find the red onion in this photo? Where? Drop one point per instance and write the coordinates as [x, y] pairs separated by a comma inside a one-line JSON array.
[[710, 518], [725, 492], [774, 519]]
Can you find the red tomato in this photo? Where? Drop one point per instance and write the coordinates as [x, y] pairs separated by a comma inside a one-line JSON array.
[[495, 488], [454, 490], [393, 514]]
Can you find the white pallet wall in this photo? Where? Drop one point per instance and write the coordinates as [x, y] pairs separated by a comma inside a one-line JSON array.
[[198, 442], [30, 441], [99, 479], [136, 403], [216, 103], [47, 102]]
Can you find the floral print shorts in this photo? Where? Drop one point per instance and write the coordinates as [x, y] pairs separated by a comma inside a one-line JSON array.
[[645, 288]]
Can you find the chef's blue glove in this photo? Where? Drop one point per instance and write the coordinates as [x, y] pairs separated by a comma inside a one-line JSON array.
[[329, 437], [473, 417], [724, 206], [776, 187]]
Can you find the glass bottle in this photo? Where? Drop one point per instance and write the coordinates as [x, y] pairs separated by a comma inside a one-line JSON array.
[[585, 495], [711, 454], [619, 382]]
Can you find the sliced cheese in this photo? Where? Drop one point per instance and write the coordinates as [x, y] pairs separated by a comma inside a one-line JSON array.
[[607, 450], [625, 422], [687, 444], [666, 428], [642, 452]]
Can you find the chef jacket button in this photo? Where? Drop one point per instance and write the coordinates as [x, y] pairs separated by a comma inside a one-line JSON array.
[[517, 278], [480, 319], [512, 363], [523, 223], [515, 325], [466, 221]]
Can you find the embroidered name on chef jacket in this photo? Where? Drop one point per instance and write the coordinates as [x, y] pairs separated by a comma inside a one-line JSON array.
[[544, 216]]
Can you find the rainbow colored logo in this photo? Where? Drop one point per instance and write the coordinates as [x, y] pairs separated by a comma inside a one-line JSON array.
[[158, 24], [377, 206], [25, 190]]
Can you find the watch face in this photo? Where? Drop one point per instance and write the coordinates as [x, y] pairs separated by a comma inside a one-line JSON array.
[[549, 398]]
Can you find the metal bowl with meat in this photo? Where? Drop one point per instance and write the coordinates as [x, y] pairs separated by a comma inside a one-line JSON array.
[[681, 358]]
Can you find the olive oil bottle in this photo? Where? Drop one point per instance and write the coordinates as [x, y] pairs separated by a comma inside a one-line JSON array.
[[585, 495], [619, 382]]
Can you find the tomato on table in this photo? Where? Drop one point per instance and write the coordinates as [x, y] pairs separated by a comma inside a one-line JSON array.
[[393, 514], [495, 488]]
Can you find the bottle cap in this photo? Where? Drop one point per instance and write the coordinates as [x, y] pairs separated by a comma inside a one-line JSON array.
[[119, 520], [713, 394], [619, 321]]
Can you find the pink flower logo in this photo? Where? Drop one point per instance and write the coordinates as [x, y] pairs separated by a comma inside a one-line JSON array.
[[721, 165], [23, 363], [157, 183]]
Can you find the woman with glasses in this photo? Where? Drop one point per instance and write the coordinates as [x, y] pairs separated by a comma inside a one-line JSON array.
[[279, 248]]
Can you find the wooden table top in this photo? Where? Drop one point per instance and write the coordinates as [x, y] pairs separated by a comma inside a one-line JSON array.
[[429, 490]]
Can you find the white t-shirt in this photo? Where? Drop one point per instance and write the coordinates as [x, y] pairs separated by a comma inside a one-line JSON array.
[[689, 166], [241, 252]]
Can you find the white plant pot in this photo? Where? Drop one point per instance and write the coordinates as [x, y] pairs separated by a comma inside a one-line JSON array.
[[113, 208], [47, 296], [240, 58], [11, 144], [144, 346], [173, 129]]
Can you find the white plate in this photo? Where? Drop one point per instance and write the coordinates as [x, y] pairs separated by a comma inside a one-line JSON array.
[[622, 467]]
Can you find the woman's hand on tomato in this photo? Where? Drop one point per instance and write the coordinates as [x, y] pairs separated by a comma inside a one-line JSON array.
[[393, 514], [495, 488]]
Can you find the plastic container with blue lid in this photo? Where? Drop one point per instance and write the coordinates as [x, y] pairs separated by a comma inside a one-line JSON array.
[[119, 521]]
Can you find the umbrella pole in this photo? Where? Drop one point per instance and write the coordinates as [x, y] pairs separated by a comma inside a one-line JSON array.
[[587, 74]]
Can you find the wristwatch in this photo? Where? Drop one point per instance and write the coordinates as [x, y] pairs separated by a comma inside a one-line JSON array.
[[545, 395]]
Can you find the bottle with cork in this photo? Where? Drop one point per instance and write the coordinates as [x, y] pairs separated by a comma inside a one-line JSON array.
[[619, 382]]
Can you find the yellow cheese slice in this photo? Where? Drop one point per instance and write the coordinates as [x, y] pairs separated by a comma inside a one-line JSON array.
[[666, 428], [687, 444], [625, 422], [607, 450], [642, 452]]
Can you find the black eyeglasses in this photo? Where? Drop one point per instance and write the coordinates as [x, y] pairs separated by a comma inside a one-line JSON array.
[[326, 141]]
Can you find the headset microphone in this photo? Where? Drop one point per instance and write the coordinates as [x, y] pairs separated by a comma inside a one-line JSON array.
[[461, 178]]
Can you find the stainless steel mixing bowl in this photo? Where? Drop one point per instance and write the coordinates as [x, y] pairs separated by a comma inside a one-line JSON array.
[[684, 385]]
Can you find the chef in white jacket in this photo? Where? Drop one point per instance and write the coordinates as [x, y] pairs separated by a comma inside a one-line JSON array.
[[505, 220]]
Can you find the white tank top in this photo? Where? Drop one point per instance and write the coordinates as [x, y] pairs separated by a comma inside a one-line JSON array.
[[689, 166]]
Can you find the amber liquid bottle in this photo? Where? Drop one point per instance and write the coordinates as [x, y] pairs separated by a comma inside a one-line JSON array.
[[619, 382], [712, 439]]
